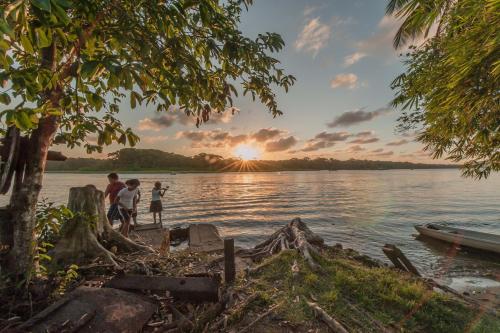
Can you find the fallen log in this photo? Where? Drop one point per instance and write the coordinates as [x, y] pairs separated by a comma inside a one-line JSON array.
[[333, 324], [199, 289]]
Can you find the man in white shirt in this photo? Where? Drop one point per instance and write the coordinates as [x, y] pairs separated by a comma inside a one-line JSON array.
[[126, 199]]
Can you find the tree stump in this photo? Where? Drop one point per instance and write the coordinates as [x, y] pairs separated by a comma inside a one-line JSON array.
[[86, 236]]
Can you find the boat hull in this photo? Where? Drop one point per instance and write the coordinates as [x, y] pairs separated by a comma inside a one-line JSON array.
[[472, 239]]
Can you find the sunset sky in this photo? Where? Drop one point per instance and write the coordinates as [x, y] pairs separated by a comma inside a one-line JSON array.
[[341, 54]]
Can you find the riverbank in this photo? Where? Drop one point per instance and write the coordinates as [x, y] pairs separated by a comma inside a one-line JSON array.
[[279, 289]]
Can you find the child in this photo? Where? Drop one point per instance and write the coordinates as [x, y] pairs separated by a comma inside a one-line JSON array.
[[127, 201], [114, 186], [156, 206]]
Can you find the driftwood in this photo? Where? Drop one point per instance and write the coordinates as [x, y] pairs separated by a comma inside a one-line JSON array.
[[333, 324], [398, 258], [295, 235], [199, 289], [84, 236]]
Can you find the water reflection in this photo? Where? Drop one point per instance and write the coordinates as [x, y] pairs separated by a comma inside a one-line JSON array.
[[361, 209]]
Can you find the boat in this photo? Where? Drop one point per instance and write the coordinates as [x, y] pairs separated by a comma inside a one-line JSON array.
[[469, 238]]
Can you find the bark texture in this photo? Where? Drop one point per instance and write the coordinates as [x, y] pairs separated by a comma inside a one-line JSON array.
[[87, 235], [295, 235]]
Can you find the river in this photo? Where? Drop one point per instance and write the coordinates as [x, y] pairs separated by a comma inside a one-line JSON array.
[[360, 209]]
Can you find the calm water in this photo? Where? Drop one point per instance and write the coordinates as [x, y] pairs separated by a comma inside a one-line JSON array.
[[360, 209]]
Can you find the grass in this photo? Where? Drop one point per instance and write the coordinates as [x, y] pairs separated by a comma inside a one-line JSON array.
[[359, 296]]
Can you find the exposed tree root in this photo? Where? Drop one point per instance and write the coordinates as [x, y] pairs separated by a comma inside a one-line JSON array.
[[87, 234], [295, 235]]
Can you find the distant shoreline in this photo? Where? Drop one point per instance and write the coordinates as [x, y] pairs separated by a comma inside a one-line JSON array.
[[229, 171]]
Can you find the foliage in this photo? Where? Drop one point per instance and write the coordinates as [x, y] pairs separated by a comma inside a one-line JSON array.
[[67, 277], [131, 159], [79, 60], [450, 88], [418, 18], [49, 221], [358, 296]]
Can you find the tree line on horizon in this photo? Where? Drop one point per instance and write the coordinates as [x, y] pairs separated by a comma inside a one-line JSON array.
[[131, 159]]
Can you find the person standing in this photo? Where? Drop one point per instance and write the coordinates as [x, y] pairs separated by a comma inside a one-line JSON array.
[[126, 199], [114, 186], [134, 215], [156, 205]]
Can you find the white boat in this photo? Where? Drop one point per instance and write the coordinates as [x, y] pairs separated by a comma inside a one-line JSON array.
[[474, 239]]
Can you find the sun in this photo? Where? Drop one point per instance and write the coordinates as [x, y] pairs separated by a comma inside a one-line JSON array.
[[246, 152]]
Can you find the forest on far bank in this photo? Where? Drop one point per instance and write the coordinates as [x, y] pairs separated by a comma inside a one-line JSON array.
[[131, 159]]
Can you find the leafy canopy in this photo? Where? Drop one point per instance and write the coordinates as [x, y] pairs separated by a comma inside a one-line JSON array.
[[450, 91], [78, 60]]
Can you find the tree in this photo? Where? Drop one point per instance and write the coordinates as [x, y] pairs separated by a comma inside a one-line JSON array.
[[67, 65], [449, 92]]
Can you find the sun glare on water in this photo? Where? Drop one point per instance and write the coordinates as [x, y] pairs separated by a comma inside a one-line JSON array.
[[246, 152]]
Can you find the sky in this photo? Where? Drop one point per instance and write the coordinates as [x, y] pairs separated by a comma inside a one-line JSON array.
[[341, 53]]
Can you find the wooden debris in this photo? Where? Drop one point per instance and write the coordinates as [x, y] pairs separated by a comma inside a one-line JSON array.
[[399, 260], [165, 244], [333, 324], [229, 264], [198, 289], [94, 310], [295, 235], [260, 317]]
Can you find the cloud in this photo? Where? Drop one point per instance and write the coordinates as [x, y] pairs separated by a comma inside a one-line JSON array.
[[154, 139], [356, 148], [363, 141], [348, 80], [381, 41], [357, 116], [364, 134], [353, 58], [378, 150], [313, 37], [178, 116], [281, 144], [156, 124], [266, 134], [325, 140], [387, 153], [398, 143]]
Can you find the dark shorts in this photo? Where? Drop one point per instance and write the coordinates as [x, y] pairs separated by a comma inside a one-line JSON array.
[[155, 206], [114, 213], [126, 213]]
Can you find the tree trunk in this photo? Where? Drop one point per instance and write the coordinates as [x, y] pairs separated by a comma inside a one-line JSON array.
[[28, 184], [25, 196], [84, 237]]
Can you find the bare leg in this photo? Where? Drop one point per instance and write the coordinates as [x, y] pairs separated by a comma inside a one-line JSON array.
[[159, 214], [125, 227], [154, 217]]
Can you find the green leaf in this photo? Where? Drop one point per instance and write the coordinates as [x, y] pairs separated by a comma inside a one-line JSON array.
[[42, 4], [43, 40], [61, 14], [4, 98], [88, 68], [26, 43], [23, 120]]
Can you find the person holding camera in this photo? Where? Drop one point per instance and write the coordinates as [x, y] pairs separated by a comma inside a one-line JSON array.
[[156, 205]]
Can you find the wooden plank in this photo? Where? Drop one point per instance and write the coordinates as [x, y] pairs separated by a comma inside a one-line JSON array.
[[165, 243], [229, 264], [149, 226], [399, 259], [199, 289]]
